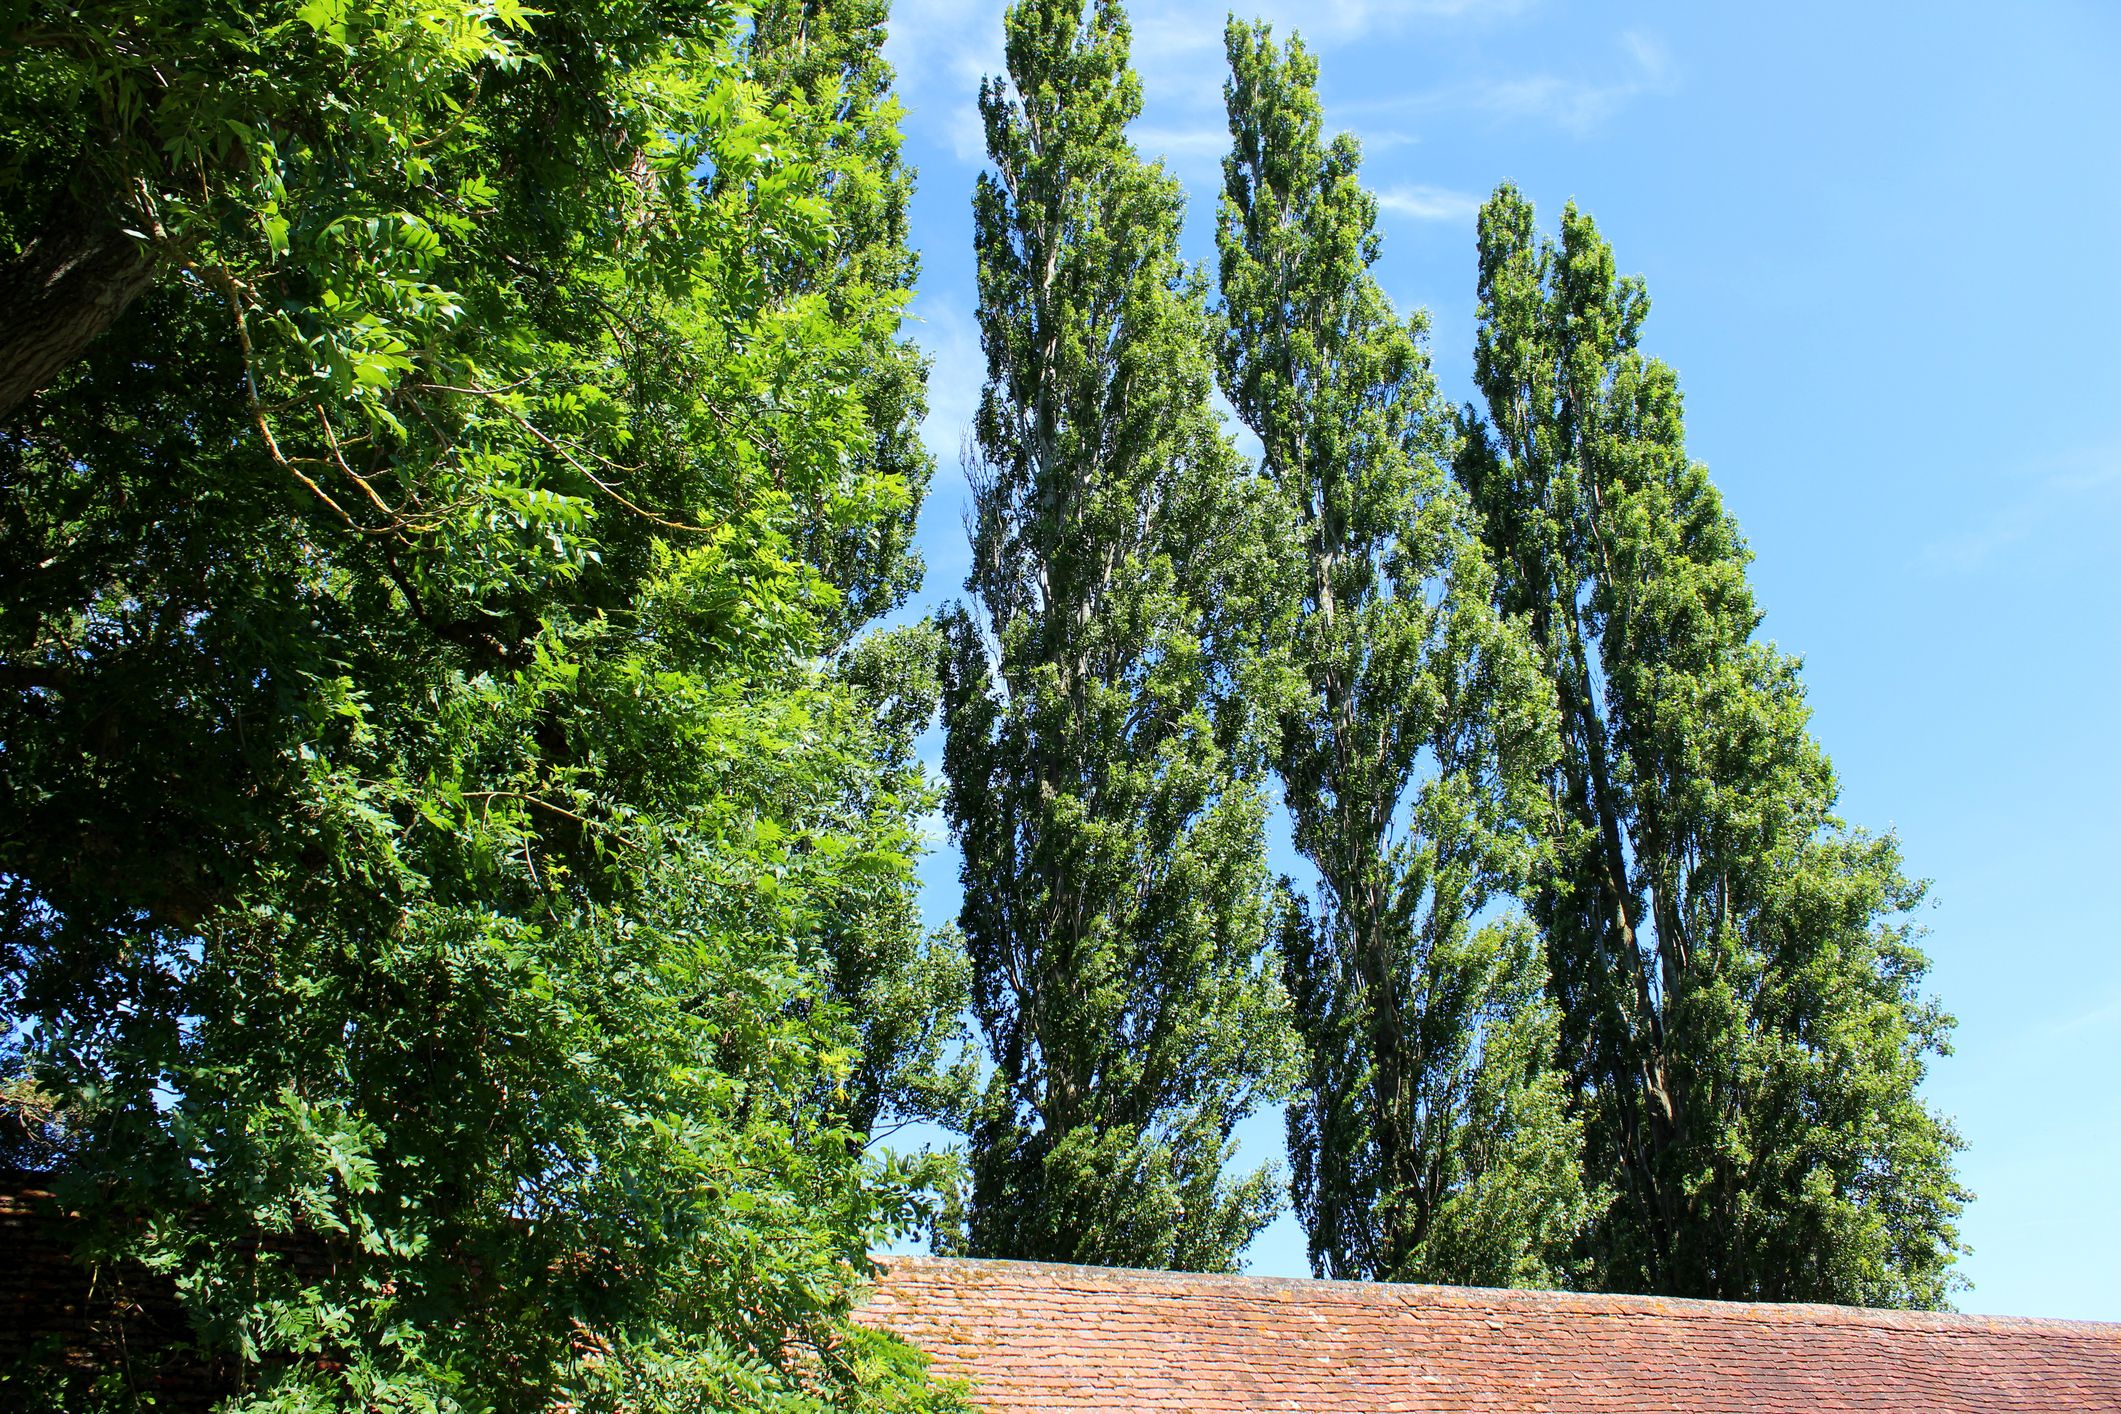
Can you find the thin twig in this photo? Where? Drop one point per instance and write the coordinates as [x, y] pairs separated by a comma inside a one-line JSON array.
[[563, 454], [560, 810], [331, 437], [220, 279]]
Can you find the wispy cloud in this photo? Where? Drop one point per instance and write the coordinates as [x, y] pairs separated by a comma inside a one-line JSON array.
[[1178, 45], [1652, 60], [1338, 21], [1376, 140], [956, 370], [947, 333], [1575, 103], [2090, 484], [1178, 50], [1426, 203], [2105, 1017], [1195, 153], [942, 49]]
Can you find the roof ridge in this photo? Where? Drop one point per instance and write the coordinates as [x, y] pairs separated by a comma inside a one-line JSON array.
[[1582, 1302]]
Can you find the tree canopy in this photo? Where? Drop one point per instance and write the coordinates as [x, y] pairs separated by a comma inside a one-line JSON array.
[[458, 797], [435, 763], [1428, 1139], [1103, 777], [1736, 968]]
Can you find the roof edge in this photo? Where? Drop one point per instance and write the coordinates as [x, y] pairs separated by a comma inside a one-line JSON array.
[[1589, 1303]]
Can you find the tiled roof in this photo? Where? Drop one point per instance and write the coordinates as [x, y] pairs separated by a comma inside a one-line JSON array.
[[1030, 1335]]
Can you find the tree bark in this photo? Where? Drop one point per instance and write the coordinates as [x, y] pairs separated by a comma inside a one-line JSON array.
[[66, 286]]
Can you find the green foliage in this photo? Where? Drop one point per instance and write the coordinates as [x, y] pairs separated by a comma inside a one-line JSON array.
[[1101, 779], [1735, 968], [905, 989], [829, 57], [1428, 1136], [435, 784]]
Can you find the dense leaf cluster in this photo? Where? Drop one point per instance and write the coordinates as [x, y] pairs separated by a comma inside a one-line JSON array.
[[1735, 968], [445, 821], [1496, 661], [1428, 1136], [1103, 783]]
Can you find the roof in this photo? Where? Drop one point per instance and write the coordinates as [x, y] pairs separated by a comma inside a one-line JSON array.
[[1031, 1335]]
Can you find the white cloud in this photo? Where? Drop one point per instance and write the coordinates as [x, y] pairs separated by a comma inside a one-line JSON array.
[[2090, 487], [1652, 59], [1574, 103], [1179, 53], [1376, 140], [1340, 21], [947, 333], [1427, 203], [1178, 47], [2106, 1017], [957, 368], [1193, 153], [943, 48]]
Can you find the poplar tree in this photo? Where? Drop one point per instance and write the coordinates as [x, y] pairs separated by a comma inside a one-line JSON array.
[[905, 988], [1428, 1134], [1100, 781], [1736, 968], [829, 59]]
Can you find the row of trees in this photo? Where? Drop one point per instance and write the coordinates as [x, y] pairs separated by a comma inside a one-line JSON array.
[[456, 801], [1594, 987]]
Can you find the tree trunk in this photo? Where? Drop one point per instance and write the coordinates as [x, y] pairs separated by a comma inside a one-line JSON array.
[[68, 284]]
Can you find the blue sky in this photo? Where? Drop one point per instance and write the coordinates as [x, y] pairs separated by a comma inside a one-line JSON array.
[[1881, 246]]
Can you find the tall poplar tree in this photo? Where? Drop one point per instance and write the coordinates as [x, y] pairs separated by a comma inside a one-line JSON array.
[[1100, 781], [829, 58], [1428, 1136], [905, 988], [1736, 968]]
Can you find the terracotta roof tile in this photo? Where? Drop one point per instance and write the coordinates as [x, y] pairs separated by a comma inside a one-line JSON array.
[[1037, 1336]]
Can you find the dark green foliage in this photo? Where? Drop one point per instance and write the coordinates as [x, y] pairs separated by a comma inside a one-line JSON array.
[[423, 810], [1735, 968], [1428, 1137], [1101, 781]]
